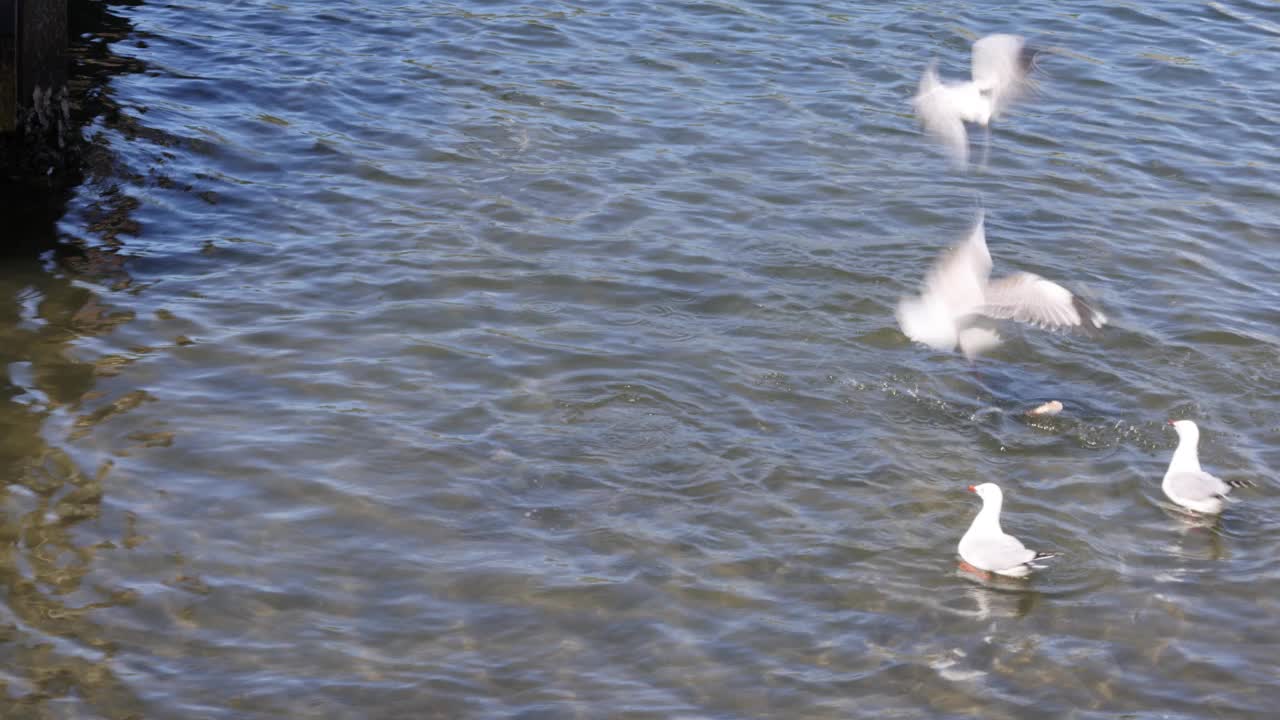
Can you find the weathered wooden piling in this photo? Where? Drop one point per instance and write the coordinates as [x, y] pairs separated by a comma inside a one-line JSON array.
[[33, 56], [8, 65], [33, 79]]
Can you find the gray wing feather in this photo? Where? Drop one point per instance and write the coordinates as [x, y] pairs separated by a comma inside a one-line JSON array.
[[1029, 298], [1197, 485], [1003, 552]]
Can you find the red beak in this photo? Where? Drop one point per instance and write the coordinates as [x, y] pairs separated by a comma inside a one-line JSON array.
[[973, 489], [1168, 422]]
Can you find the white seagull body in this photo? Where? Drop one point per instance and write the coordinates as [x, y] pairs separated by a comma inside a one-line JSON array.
[[1185, 483], [986, 547], [999, 68], [958, 303]]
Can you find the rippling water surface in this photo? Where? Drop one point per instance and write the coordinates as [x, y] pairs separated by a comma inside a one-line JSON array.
[[486, 359]]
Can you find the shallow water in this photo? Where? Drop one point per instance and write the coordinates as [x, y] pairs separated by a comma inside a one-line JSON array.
[[482, 359]]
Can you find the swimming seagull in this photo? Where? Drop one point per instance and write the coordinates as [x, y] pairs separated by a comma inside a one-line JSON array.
[[986, 547], [958, 304], [1185, 483], [1000, 68]]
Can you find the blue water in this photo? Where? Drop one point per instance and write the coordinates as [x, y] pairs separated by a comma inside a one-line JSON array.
[[485, 359]]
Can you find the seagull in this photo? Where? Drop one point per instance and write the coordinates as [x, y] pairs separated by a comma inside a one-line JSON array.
[[1000, 67], [986, 547], [1186, 484], [958, 304]]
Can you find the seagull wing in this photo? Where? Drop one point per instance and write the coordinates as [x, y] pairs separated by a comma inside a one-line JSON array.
[[1000, 68], [999, 552], [961, 274], [940, 115], [1196, 486], [1029, 298], [953, 289]]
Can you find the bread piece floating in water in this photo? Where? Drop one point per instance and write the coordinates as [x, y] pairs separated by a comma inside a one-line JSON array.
[[1051, 408]]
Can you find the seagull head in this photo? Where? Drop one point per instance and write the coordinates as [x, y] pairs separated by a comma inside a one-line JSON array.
[[987, 491], [1187, 430]]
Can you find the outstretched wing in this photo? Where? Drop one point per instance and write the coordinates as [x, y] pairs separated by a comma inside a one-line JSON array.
[[952, 289], [1001, 65], [1029, 298], [940, 115], [961, 274]]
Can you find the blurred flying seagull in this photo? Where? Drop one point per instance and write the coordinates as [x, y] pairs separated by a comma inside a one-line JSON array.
[[986, 547], [1000, 67], [1185, 483], [958, 305]]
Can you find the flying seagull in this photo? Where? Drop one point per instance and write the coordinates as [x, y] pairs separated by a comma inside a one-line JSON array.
[[986, 547], [958, 305], [1185, 483], [1001, 65]]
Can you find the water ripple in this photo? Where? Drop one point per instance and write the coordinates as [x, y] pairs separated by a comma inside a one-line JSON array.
[[539, 361]]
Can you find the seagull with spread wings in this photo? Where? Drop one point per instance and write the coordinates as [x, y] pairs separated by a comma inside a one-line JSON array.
[[959, 305], [1001, 68]]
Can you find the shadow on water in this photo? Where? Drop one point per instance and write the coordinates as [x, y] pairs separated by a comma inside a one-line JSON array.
[[55, 659]]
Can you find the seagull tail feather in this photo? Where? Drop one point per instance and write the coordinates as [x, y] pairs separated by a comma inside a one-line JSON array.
[[1045, 556]]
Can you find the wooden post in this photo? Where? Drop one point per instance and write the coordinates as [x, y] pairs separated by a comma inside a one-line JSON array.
[[42, 47], [8, 65], [33, 57]]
